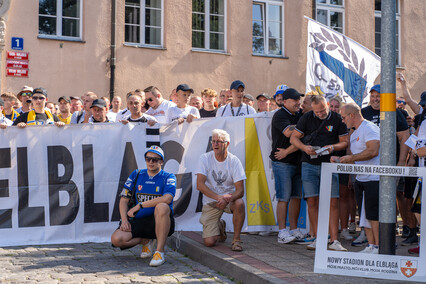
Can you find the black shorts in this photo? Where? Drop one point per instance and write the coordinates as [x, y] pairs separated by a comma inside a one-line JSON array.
[[145, 227], [344, 179], [371, 194], [400, 187], [410, 185], [417, 205]]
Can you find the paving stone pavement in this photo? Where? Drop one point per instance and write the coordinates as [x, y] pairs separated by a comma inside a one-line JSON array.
[[97, 263]]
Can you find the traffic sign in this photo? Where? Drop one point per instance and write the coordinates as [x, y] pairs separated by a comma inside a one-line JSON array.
[[17, 43]]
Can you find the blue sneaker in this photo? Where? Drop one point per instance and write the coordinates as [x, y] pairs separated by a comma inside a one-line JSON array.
[[361, 240], [306, 240]]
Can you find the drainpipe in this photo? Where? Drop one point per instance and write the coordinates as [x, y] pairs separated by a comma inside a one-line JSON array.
[[112, 59]]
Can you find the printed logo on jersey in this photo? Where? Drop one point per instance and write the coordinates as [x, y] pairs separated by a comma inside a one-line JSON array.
[[139, 187], [149, 182], [142, 197], [128, 182], [219, 177], [330, 128], [125, 193], [171, 181]]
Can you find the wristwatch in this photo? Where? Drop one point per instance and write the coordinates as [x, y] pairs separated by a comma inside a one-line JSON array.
[[140, 205]]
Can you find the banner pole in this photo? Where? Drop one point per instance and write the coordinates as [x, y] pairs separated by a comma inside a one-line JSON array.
[[387, 205]]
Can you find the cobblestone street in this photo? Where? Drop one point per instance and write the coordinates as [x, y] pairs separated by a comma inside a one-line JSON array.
[[97, 263]]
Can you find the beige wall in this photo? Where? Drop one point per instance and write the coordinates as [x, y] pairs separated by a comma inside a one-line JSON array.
[[71, 68]]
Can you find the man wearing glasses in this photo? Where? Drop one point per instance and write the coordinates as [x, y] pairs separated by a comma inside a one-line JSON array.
[[25, 97], [39, 115], [220, 177], [151, 190], [158, 107]]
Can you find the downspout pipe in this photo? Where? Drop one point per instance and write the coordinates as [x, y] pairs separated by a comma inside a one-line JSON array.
[[113, 46]]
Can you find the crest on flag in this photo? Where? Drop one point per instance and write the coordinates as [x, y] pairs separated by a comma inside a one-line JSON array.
[[337, 65], [408, 267]]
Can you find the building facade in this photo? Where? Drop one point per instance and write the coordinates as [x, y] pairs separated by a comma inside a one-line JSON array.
[[205, 43]]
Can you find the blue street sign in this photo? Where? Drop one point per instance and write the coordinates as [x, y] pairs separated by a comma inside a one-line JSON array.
[[17, 43]]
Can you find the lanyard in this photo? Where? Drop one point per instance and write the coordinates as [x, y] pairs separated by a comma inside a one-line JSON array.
[[232, 109]]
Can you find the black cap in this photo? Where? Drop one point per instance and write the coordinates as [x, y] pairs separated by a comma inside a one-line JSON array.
[[265, 95], [65, 99], [40, 91], [423, 99], [1, 102], [185, 88], [98, 103], [236, 84], [291, 93]]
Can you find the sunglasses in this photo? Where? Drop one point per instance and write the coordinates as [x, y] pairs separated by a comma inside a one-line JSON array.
[[26, 94], [401, 102], [38, 98], [150, 100], [152, 159]]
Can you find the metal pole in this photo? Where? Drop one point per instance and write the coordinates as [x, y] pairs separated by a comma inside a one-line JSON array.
[[113, 58], [387, 213]]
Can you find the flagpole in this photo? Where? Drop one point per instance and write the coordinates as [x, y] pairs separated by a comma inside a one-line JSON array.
[[387, 204]]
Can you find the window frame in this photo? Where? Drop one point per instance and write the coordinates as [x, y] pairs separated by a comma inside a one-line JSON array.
[[207, 31], [378, 14], [142, 27], [331, 8], [266, 4], [59, 17]]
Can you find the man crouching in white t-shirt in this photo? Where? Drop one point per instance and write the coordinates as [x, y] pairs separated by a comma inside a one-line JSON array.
[[220, 177]]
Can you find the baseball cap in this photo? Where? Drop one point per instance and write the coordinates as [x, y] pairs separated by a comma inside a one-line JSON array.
[[423, 99], [184, 87], [74, 98], [1, 102], [280, 90], [65, 99], [156, 150], [25, 89], [42, 91], [375, 88], [265, 95], [291, 93], [98, 103], [236, 84], [248, 96]]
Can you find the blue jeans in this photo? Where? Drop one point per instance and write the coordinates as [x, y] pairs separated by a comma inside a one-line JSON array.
[[311, 177], [287, 181]]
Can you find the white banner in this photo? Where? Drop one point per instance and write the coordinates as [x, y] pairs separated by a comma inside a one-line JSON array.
[[393, 267], [61, 185], [338, 65]]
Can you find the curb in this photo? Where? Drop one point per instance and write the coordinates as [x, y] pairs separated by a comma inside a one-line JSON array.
[[220, 262]]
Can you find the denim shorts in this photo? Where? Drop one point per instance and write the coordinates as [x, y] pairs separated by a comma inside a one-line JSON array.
[[287, 181], [311, 177]]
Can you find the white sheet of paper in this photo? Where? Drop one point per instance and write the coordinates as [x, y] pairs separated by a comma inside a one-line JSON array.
[[411, 141]]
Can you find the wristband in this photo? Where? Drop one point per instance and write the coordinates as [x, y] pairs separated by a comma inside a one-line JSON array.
[[140, 205]]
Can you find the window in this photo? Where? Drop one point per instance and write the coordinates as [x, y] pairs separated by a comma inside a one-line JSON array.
[[208, 24], [378, 29], [144, 22], [331, 13], [268, 28], [60, 18]]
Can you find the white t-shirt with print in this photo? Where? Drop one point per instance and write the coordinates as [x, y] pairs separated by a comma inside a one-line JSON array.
[[367, 131], [236, 111], [177, 112], [161, 112], [221, 176]]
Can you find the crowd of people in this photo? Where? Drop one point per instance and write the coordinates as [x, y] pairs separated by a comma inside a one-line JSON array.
[[305, 134]]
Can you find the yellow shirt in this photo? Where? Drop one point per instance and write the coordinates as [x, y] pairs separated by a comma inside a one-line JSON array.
[[65, 120]]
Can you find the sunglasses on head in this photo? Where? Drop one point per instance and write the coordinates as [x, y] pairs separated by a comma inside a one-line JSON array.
[[152, 159]]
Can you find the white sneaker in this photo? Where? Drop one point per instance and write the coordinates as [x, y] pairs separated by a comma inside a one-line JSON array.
[[361, 240], [284, 237], [158, 259], [336, 245], [148, 249], [297, 234], [371, 249], [345, 235], [312, 246]]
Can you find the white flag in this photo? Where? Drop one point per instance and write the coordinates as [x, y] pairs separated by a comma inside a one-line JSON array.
[[338, 65]]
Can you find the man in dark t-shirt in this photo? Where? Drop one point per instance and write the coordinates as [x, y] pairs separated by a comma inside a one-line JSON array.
[[285, 165], [323, 133]]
